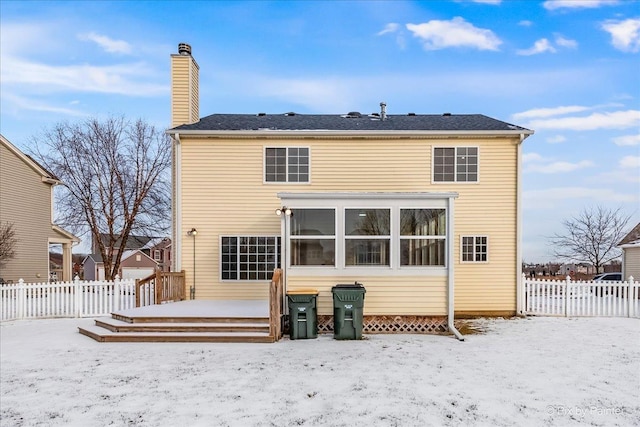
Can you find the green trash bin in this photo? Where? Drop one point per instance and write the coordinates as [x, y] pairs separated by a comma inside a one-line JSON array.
[[303, 316], [348, 302]]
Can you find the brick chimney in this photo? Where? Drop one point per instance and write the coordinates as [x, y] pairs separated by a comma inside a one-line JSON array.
[[185, 99]]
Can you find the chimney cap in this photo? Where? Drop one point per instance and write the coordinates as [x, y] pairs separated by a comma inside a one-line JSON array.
[[184, 49]]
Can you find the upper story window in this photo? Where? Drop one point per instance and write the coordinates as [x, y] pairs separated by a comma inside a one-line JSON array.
[[286, 164], [313, 237], [455, 164], [156, 255]]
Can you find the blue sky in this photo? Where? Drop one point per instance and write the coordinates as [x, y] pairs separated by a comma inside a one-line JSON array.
[[570, 70]]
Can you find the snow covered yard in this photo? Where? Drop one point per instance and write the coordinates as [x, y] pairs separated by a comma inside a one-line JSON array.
[[527, 372]]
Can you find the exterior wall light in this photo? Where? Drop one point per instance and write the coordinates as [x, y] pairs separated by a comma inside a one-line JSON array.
[[284, 210], [193, 232]]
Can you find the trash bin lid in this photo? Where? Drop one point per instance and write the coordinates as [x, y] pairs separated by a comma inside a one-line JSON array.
[[355, 285], [303, 291]]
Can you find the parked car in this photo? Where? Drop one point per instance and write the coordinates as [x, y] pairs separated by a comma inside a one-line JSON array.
[[606, 278]]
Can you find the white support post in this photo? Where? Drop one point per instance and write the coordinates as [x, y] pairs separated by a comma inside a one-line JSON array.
[[116, 293], [631, 300], [22, 300], [77, 292], [567, 292]]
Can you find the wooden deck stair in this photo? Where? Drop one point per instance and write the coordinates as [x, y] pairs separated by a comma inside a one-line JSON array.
[[193, 321], [121, 328]]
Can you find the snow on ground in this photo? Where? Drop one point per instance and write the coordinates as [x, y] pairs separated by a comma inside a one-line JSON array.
[[526, 372]]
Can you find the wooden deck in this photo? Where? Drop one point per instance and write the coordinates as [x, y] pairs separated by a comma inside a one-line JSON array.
[[187, 321]]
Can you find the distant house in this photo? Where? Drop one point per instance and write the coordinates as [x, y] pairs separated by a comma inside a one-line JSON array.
[[630, 245], [26, 202], [133, 242], [159, 250], [135, 264]]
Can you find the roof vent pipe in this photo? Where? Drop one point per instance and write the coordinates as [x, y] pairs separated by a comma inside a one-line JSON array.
[[184, 49], [383, 110]]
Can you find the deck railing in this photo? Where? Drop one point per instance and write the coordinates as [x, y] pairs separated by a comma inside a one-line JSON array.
[[275, 305], [159, 288]]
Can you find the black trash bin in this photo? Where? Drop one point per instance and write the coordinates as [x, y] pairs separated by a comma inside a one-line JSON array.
[[348, 303], [303, 316]]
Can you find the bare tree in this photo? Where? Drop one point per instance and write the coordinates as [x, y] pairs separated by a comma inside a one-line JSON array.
[[115, 175], [592, 236], [7, 242]]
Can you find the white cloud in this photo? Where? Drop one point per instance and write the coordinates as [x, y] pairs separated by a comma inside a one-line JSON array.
[[564, 42], [549, 112], [540, 46], [525, 23], [532, 157], [127, 79], [627, 140], [558, 167], [457, 32], [549, 197], [625, 35], [106, 43], [615, 120], [556, 139], [629, 162], [575, 4], [24, 103], [389, 28]]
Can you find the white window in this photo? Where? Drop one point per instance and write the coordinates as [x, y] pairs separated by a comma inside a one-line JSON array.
[[367, 234], [474, 249], [286, 164], [156, 255], [455, 164], [313, 237], [423, 235], [249, 257], [397, 235]]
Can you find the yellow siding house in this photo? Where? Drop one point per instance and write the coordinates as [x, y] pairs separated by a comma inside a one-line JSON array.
[[423, 210]]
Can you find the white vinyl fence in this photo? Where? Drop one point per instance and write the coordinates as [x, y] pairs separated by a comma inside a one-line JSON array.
[[581, 298], [66, 299]]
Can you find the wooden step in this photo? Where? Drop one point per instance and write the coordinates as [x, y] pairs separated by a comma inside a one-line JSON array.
[[183, 319], [115, 325], [101, 334]]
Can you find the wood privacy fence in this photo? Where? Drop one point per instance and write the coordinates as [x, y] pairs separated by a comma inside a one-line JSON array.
[[581, 298]]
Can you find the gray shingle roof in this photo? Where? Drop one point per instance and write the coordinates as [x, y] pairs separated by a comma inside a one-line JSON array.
[[292, 122]]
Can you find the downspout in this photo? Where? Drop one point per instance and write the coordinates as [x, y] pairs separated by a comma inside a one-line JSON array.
[[177, 203], [451, 272], [519, 292]]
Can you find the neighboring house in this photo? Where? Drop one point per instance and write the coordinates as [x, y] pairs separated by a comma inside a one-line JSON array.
[[159, 249], [580, 268], [631, 254], [411, 206], [135, 264], [26, 201], [133, 242]]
